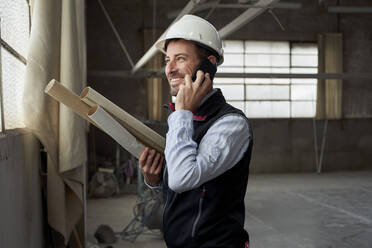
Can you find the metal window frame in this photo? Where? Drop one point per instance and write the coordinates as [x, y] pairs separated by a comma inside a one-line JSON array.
[[262, 75], [1, 89], [17, 55]]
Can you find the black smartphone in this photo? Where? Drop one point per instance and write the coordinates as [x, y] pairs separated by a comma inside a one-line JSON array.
[[207, 67]]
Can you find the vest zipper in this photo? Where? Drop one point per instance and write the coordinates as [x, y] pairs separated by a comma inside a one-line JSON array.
[[199, 213], [166, 200]]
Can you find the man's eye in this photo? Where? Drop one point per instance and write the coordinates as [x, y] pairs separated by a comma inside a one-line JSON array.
[[180, 58], [166, 61]]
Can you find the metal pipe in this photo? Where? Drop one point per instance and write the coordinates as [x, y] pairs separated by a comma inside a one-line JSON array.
[[152, 51], [244, 18], [12, 51], [350, 10], [297, 75], [323, 146], [258, 6], [237, 23], [212, 9], [216, 5], [160, 74], [315, 144], [116, 34], [276, 19]]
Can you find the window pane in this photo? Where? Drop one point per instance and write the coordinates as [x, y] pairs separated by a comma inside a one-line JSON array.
[[304, 48], [266, 47], [304, 81], [304, 70], [303, 92], [230, 69], [258, 81], [233, 60], [233, 46], [303, 109], [232, 92], [262, 109], [257, 69], [13, 72], [267, 60], [228, 80], [305, 60], [15, 24], [267, 92]]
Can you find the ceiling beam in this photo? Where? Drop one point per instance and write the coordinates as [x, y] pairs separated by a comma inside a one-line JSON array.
[[244, 18], [216, 5], [256, 6], [152, 51], [236, 24], [350, 9]]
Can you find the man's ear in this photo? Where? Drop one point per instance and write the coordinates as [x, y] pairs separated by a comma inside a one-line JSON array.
[[212, 59]]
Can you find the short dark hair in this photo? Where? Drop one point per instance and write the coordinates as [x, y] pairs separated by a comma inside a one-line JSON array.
[[203, 51]]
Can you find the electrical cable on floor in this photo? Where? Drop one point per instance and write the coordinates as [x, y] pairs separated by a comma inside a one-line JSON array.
[[147, 216]]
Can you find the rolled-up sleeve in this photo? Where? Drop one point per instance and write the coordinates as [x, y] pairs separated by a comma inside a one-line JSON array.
[[190, 165]]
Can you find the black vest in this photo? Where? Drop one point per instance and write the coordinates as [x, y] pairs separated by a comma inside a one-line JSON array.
[[211, 215]]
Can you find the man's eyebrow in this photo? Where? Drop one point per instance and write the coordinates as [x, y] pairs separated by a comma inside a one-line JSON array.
[[178, 54]]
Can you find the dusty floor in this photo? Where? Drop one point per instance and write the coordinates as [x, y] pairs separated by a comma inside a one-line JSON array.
[[282, 211]]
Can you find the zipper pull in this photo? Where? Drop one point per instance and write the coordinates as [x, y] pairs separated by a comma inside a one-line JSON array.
[[204, 192]]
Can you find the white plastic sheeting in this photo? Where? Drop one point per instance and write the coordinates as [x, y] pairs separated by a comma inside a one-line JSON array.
[[57, 50]]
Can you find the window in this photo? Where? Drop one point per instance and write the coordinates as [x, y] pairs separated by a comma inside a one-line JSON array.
[[270, 97], [15, 23]]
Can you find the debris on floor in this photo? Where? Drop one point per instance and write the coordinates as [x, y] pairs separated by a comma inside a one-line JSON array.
[[105, 235]]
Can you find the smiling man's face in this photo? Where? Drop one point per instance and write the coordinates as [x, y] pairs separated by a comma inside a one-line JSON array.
[[181, 59]]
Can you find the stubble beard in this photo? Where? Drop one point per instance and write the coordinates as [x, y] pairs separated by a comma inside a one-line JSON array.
[[173, 92]]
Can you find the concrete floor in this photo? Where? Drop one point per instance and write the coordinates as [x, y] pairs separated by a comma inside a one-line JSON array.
[[282, 211]]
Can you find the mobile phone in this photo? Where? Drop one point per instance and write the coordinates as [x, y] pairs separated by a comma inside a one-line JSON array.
[[207, 67]]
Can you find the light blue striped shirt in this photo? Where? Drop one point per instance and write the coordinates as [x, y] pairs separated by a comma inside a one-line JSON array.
[[188, 165]]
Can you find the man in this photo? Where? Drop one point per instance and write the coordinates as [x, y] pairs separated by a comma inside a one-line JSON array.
[[208, 147]]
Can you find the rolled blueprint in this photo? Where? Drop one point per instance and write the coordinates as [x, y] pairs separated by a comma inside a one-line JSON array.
[[67, 97], [142, 132], [114, 129]]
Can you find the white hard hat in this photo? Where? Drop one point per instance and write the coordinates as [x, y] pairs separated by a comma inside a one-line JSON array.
[[194, 28]]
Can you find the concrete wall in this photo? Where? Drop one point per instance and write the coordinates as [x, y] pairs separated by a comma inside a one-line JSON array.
[[281, 145], [287, 145], [20, 191]]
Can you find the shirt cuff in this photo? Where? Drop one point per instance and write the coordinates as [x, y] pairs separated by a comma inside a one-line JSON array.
[[180, 118], [158, 187]]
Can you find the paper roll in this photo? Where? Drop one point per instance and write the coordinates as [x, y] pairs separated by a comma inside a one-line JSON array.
[[142, 132], [113, 128], [67, 97]]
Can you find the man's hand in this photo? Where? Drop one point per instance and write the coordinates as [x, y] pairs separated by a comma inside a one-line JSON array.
[[151, 163], [191, 93]]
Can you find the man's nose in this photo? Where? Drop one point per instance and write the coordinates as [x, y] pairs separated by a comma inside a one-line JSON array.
[[171, 66]]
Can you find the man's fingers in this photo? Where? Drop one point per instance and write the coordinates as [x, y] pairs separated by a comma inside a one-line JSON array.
[[160, 165], [199, 78], [143, 157], [150, 157], [188, 80], [207, 82], [155, 163]]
